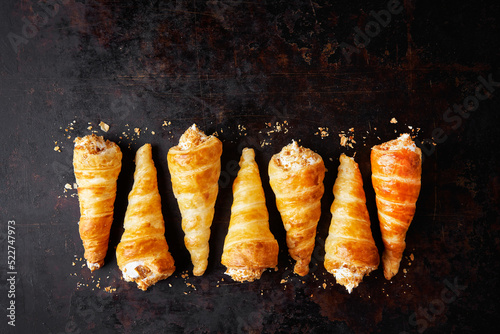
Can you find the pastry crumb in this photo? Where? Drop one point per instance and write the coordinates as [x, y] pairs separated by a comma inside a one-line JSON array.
[[109, 289], [242, 130], [137, 131], [89, 127], [323, 132], [347, 140], [68, 186], [104, 126], [394, 120], [412, 257], [57, 149]]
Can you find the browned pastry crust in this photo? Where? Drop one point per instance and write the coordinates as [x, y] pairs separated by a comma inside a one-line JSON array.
[[97, 164], [296, 176], [249, 247], [194, 167], [142, 253], [396, 173], [351, 252]]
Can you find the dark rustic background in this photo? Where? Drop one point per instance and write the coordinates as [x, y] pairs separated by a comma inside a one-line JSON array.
[[259, 73]]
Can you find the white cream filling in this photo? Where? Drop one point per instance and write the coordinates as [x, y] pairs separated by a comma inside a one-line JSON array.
[[185, 143], [93, 266], [311, 160], [88, 140], [130, 270], [345, 273], [404, 141], [289, 160], [242, 274], [294, 157]]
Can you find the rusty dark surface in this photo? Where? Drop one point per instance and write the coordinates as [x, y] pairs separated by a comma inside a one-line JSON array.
[[260, 65]]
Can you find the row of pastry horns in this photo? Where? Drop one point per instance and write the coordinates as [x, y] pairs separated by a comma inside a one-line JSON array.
[[296, 177]]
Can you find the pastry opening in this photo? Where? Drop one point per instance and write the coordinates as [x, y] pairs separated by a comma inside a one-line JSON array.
[[135, 270], [192, 137], [244, 274], [93, 265], [140, 273], [294, 156], [350, 277], [404, 141], [93, 144]]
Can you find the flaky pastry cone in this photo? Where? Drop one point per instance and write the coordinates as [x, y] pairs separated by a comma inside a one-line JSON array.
[[296, 176], [396, 172], [142, 253], [97, 164], [194, 167], [351, 252], [249, 247]]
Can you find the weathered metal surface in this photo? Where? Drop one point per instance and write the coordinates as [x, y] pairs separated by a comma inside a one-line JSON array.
[[260, 75]]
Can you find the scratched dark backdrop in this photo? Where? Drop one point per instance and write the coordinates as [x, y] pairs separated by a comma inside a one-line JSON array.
[[224, 64]]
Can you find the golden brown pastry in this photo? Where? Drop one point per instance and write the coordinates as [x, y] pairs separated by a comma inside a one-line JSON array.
[[142, 253], [194, 167], [351, 252], [396, 171], [296, 176], [97, 164], [249, 247]]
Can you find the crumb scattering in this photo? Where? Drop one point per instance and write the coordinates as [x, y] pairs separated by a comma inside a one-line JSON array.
[[242, 130], [109, 289], [323, 132], [347, 140]]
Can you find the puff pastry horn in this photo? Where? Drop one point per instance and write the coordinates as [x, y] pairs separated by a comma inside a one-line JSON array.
[[296, 176], [97, 164], [194, 167], [249, 247], [351, 252], [396, 172], [142, 253]]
